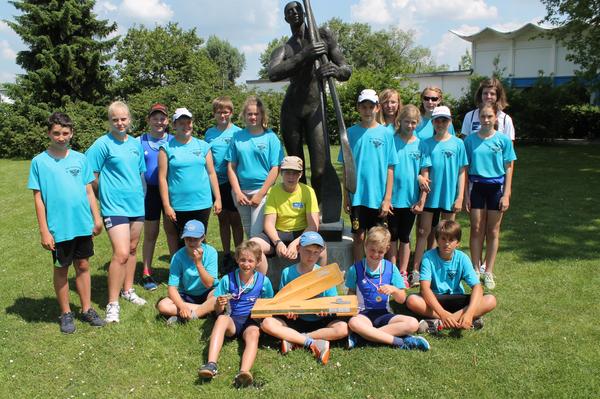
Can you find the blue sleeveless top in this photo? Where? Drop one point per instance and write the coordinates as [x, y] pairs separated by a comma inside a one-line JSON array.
[[242, 306], [367, 291]]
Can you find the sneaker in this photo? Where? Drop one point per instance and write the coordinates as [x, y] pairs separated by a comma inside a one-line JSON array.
[[405, 278], [149, 283], [415, 342], [243, 379], [478, 323], [488, 280], [286, 347], [171, 321], [92, 317], [208, 371], [320, 348], [354, 340], [482, 268], [414, 279], [112, 312], [431, 326], [132, 297], [67, 323]]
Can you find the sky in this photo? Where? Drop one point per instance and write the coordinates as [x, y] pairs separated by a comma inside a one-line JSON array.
[[250, 25]]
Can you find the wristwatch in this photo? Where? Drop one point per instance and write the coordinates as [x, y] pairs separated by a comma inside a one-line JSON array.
[[277, 243]]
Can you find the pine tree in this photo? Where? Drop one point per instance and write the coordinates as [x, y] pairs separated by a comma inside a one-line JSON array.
[[66, 57]]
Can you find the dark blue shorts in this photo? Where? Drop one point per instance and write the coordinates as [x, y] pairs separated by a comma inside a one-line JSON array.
[[241, 323], [194, 299], [152, 203], [66, 251], [112, 221], [226, 197], [379, 317], [306, 326], [486, 196], [400, 224]]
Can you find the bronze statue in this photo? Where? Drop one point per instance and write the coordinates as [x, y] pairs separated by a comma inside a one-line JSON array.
[[308, 58]]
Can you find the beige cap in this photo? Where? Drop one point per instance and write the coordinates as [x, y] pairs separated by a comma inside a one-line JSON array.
[[292, 163]]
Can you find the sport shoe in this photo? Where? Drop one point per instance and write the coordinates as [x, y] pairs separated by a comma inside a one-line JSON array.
[[112, 312], [132, 297], [286, 347], [414, 279], [171, 321], [353, 340], [149, 283], [243, 379], [482, 268], [208, 371], [415, 342], [431, 326], [478, 323], [320, 348], [67, 323], [405, 278], [92, 317], [488, 280]]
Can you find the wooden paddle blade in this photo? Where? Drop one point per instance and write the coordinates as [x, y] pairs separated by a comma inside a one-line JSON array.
[[310, 284], [343, 305]]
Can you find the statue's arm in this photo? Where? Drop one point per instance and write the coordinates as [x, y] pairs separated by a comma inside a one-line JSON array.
[[342, 70], [282, 66]]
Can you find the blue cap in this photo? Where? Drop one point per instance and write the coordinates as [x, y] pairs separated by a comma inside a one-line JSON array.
[[193, 228], [311, 238]]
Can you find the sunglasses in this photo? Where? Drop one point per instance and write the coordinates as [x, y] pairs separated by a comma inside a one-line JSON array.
[[426, 98]]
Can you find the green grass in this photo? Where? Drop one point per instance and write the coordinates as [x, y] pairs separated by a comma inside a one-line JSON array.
[[541, 341]]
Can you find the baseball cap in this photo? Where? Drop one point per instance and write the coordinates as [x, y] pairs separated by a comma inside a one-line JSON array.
[[368, 95], [179, 112], [441, 112], [292, 163], [311, 238], [193, 228], [158, 108]]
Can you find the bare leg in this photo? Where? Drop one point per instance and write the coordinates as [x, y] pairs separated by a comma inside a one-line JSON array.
[[166, 307], [335, 330], [223, 326], [423, 230], [417, 304], [492, 232], [135, 230], [151, 230], [61, 287], [357, 246], [236, 228], [278, 329], [250, 335], [120, 241], [263, 266], [225, 230], [403, 256], [83, 282], [171, 233], [477, 235], [399, 325], [392, 253]]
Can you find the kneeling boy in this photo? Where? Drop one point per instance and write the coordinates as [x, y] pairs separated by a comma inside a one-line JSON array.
[[309, 331], [239, 289], [375, 280], [192, 275], [442, 299]]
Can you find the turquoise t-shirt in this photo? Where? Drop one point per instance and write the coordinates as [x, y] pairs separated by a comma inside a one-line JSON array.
[[184, 275], [406, 186], [291, 273], [187, 178], [446, 275], [373, 150], [444, 160], [425, 129], [120, 165], [62, 183], [219, 144], [223, 287], [488, 157], [254, 156]]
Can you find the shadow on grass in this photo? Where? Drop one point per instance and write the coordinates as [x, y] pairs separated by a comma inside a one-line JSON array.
[[37, 310]]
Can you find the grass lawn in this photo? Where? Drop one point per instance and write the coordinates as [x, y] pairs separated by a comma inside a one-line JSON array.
[[542, 340]]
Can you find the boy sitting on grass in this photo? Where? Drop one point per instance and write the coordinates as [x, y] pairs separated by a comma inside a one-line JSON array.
[[67, 215], [309, 331], [192, 275], [375, 280], [442, 300], [238, 291]]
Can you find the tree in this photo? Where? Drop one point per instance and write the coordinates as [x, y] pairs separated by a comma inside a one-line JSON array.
[[466, 61], [161, 57], [578, 24], [227, 58], [265, 56], [66, 56]]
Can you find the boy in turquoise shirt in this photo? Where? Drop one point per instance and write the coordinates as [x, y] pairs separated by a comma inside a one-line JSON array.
[[67, 216]]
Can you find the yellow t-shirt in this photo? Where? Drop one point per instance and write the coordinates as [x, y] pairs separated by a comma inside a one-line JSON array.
[[291, 208]]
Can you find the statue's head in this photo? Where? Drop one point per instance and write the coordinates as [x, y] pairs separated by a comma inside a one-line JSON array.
[[293, 13]]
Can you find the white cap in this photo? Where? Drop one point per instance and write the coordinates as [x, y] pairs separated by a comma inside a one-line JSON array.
[[179, 112], [368, 95], [441, 112]]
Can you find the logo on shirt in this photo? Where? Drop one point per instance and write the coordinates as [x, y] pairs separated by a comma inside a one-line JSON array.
[[134, 152], [261, 147], [377, 142], [451, 274], [74, 170], [297, 205], [495, 147], [415, 155], [197, 153], [227, 140], [448, 153]]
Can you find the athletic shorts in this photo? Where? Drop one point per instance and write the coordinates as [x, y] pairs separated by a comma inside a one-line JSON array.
[[453, 303], [112, 221], [226, 197], [400, 224], [363, 218], [183, 217], [66, 251], [194, 299], [241, 323], [486, 196], [286, 236], [305, 326], [152, 203], [379, 317]]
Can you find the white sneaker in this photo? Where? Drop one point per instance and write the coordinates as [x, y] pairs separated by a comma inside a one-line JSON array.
[[132, 297], [488, 280], [112, 312], [415, 279]]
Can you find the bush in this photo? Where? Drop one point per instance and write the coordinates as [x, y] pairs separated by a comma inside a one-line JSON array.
[[584, 120]]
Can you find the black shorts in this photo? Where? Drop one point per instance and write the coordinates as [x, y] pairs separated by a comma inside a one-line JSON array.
[[112, 221], [183, 217], [194, 299], [66, 251], [241, 323], [379, 317], [226, 197], [152, 203], [305, 326], [486, 196], [285, 236], [401, 224], [453, 303], [436, 215], [363, 218]]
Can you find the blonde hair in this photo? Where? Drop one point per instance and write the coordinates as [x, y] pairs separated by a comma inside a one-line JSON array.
[[408, 111], [249, 246], [384, 97], [222, 102], [379, 236], [117, 105], [262, 109], [492, 83], [431, 88]]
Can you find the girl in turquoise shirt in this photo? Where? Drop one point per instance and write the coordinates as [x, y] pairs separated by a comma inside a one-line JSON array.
[[391, 105]]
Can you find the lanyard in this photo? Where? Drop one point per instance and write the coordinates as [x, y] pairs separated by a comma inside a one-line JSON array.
[[380, 276], [242, 288]]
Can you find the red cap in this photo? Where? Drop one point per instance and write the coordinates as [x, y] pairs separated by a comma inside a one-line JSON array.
[[158, 108]]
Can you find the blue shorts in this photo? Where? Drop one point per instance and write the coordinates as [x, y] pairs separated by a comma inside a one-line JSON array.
[[194, 299], [112, 221], [379, 317], [65, 252], [241, 323], [486, 196], [307, 326], [152, 203]]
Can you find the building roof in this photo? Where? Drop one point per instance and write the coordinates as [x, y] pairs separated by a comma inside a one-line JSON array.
[[505, 35]]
